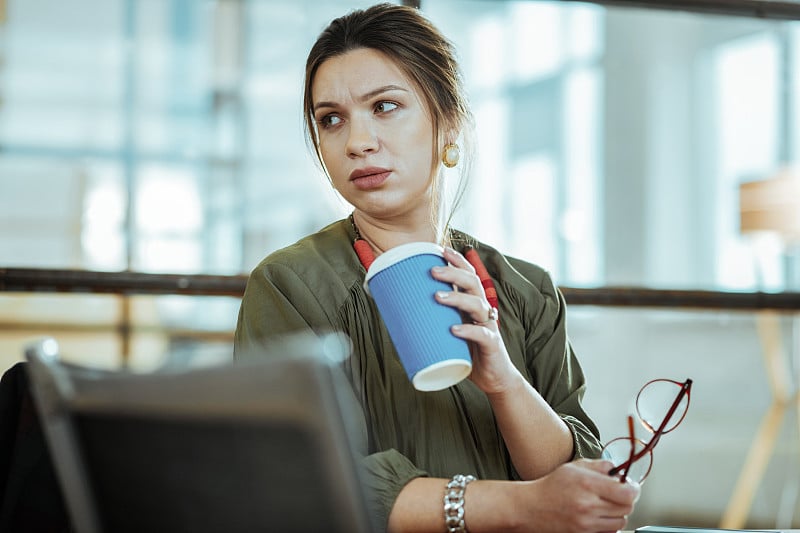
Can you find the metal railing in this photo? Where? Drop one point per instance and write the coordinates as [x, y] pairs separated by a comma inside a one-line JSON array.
[[33, 280]]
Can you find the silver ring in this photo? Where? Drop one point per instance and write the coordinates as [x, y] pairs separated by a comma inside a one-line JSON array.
[[493, 315]]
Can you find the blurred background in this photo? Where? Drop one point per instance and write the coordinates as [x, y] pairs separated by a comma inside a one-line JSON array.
[[165, 136]]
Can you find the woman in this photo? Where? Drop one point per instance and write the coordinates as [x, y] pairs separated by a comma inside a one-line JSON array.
[[384, 110]]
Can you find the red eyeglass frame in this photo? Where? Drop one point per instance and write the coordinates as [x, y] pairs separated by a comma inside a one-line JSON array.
[[685, 390]]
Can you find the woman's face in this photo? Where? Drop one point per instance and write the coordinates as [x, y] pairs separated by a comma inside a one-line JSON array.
[[375, 135]]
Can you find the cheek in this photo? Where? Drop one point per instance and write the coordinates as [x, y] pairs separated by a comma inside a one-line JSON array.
[[424, 159], [331, 162], [423, 139]]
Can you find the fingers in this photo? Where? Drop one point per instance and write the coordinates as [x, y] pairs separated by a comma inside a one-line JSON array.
[[459, 273], [613, 507], [476, 307], [612, 524], [458, 260], [620, 495], [490, 318], [471, 297]]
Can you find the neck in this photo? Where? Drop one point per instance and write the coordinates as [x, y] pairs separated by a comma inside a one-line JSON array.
[[384, 235]]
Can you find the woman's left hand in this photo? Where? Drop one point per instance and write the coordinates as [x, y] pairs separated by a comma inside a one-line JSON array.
[[492, 369]]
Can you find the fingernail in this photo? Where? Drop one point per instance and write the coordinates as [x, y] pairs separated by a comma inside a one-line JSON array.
[[455, 328], [442, 295], [437, 270]]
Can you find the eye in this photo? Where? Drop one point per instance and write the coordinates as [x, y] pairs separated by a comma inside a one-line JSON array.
[[385, 107], [329, 121]]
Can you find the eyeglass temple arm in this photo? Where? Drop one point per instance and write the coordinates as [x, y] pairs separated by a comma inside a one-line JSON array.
[[623, 468], [687, 385], [623, 473]]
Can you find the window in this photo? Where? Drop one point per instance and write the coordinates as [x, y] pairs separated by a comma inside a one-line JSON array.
[[166, 135]]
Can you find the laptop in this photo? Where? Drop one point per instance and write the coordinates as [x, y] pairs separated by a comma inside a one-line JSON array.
[[264, 445]]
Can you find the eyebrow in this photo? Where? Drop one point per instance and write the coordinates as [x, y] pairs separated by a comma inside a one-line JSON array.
[[366, 96]]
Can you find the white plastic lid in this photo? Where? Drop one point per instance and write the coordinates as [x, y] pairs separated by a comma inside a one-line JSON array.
[[397, 254]]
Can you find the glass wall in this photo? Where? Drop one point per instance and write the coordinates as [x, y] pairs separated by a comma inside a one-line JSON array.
[[165, 135]]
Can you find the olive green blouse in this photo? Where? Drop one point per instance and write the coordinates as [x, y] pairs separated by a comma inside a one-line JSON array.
[[316, 284]]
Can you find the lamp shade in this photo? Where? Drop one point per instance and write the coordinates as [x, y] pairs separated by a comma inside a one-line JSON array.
[[772, 204]]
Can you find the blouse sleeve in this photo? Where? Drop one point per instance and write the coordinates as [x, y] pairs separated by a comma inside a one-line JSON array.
[[277, 302], [554, 367], [385, 475]]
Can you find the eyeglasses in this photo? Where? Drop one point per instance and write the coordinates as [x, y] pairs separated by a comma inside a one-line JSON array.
[[632, 457]]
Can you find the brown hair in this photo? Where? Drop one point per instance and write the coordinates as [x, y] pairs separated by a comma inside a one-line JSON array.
[[421, 52]]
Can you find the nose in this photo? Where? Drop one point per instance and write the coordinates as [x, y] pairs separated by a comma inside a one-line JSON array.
[[362, 138]]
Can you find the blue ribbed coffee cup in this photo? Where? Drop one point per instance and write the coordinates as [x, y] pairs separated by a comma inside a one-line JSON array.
[[401, 284]]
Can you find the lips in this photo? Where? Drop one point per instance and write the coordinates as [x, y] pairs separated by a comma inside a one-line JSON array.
[[369, 177]]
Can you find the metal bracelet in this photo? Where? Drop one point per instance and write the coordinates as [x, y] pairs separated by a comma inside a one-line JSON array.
[[454, 503]]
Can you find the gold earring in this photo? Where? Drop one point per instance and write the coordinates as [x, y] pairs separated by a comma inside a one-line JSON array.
[[450, 155]]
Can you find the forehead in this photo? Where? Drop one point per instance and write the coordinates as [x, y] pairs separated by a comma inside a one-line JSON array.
[[355, 73]]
